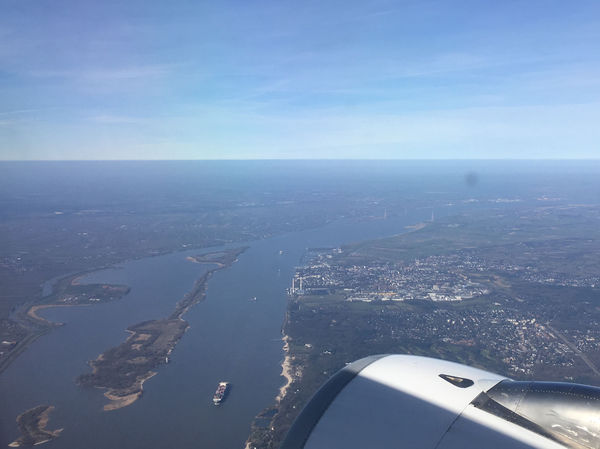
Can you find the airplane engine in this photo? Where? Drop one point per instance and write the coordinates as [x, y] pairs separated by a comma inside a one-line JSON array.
[[411, 402]]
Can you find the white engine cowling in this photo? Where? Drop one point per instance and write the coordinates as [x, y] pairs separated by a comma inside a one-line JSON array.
[[404, 401]]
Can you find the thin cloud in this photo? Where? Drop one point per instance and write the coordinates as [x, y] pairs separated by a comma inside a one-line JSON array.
[[116, 119], [23, 111], [107, 74]]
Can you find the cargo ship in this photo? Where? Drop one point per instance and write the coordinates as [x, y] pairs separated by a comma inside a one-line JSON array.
[[220, 393]]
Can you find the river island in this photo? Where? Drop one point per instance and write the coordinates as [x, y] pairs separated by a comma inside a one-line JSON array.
[[32, 424], [122, 370]]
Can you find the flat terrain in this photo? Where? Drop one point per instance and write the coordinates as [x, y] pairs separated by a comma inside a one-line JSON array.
[[515, 292], [504, 275], [62, 218]]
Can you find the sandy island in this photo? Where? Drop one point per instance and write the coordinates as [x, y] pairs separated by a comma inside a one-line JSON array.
[[123, 369], [32, 424], [117, 402]]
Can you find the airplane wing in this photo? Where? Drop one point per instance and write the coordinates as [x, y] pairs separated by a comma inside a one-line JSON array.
[[411, 402]]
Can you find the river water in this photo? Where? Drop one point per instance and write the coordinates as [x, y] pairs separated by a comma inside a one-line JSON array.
[[231, 338]]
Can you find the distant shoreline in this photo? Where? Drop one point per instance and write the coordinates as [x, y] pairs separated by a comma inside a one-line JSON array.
[[286, 370], [32, 312]]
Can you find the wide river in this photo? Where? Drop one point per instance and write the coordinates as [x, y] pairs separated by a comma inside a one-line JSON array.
[[231, 338]]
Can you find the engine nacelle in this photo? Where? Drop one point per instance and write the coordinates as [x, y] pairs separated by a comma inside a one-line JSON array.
[[404, 401]]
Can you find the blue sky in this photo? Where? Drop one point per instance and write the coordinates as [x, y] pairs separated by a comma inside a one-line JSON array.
[[299, 79]]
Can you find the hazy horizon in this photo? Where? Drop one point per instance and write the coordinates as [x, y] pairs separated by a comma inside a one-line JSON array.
[[491, 159]]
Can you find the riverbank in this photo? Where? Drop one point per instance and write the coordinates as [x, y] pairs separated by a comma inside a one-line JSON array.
[[262, 426], [66, 291], [286, 370], [32, 312]]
